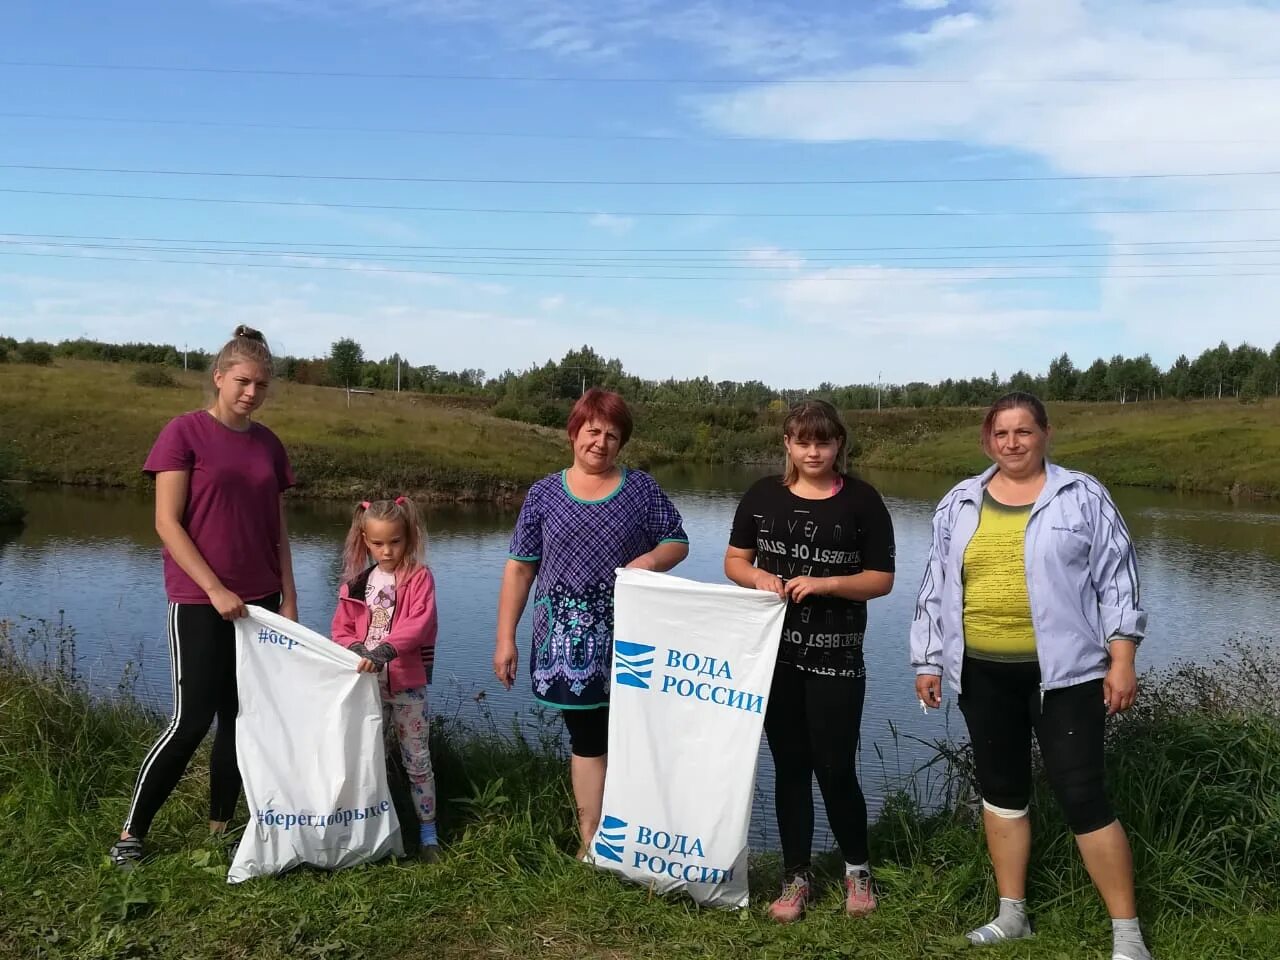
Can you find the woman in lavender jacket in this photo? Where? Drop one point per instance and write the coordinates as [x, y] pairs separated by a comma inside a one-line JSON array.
[[1030, 607]]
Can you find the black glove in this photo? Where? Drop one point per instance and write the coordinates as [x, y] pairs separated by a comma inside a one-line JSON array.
[[380, 655]]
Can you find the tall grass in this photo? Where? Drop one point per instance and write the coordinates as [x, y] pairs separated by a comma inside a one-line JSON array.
[[86, 422], [1211, 446], [1194, 771]]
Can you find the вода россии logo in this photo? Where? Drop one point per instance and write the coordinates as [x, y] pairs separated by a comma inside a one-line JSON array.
[[632, 664], [613, 832]]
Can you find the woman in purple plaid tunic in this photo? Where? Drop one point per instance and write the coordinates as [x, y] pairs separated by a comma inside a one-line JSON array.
[[575, 529]]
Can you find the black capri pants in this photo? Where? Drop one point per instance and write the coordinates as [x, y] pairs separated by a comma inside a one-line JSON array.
[[588, 731], [1002, 707]]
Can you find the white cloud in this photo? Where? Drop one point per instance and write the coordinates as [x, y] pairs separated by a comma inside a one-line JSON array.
[[933, 323], [1030, 63], [1032, 104], [775, 257], [612, 223], [767, 36], [907, 323]]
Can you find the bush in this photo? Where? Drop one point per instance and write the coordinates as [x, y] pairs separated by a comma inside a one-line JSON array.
[[154, 377], [552, 414], [34, 352]]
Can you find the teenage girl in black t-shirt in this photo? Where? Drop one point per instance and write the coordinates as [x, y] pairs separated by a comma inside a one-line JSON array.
[[823, 540]]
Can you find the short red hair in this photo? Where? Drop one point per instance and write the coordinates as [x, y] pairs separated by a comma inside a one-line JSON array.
[[603, 406]]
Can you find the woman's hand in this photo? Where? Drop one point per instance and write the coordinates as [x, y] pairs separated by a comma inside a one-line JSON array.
[[1120, 687], [228, 605], [801, 588], [504, 662], [289, 609], [929, 689], [367, 666], [764, 580]]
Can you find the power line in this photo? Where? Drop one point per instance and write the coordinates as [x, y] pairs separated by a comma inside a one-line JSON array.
[[709, 214], [537, 134], [627, 250], [422, 131], [692, 263], [593, 182], [904, 277], [657, 80]]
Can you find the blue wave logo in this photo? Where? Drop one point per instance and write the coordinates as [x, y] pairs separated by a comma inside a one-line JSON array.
[[632, 664], [613, 832]]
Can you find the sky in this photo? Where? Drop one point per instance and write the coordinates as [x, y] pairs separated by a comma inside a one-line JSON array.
[[745, 189]]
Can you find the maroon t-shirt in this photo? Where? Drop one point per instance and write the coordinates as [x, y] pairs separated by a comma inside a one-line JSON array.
[[233, 503]]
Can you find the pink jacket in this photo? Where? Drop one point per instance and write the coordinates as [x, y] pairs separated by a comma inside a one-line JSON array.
[[413, 626]]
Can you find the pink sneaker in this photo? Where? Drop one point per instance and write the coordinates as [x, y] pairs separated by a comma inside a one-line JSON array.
[[795, 896], [860, 899]]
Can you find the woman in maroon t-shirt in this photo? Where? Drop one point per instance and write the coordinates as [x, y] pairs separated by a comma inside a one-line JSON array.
[[219, 512]]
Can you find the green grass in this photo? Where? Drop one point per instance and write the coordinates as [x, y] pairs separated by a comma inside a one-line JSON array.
[[1217, 446], [82, 422], [1196, 780]]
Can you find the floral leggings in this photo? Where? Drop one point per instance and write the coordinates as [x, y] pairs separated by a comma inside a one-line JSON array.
[[408, 709]]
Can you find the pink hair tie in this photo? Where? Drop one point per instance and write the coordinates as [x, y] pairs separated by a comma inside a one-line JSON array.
[[400, 500], [364, 504]]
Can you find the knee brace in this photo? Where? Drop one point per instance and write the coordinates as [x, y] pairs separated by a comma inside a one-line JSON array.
[[1004, 813]]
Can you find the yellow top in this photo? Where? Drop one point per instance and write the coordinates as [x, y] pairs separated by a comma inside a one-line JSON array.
[[997, 609]]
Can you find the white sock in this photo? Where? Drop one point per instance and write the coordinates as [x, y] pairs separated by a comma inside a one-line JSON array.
[[851, 868], [1011, 923], [1127, 942]]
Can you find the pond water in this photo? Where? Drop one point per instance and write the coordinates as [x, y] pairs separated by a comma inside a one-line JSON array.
[[1210, 571]]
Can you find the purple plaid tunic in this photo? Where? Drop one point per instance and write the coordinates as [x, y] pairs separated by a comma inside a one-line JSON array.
[[578, 544]]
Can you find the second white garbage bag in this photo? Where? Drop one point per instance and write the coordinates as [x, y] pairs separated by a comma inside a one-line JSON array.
[[692, 666], [309, 744]]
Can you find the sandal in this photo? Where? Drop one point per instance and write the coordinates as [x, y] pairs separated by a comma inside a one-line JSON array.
[[127, 853]]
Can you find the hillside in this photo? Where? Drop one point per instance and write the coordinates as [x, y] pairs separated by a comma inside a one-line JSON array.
[[89, 423], [83, 422], [1215, 446]]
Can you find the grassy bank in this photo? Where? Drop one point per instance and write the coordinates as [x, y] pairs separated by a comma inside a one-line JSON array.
[[1196, 772], [89, 423], [1211, 446], [83, 422]]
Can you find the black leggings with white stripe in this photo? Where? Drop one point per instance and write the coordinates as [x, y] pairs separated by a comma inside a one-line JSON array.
[[202, 664]]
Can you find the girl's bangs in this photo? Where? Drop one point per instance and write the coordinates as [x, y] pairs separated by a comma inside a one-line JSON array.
[[810, 426]]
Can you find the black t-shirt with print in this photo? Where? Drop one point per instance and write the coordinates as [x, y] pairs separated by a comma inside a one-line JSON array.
[[836, 537]]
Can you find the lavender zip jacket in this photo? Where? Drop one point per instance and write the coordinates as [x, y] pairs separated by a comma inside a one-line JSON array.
[[1082, 579]]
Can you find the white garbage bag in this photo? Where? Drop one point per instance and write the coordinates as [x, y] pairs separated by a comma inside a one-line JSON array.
[[309, 744], [692, 667]]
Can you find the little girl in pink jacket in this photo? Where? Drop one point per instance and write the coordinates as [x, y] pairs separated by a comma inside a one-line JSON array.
[[387, 614]]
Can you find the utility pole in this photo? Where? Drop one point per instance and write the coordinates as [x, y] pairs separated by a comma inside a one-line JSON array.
[[878, 391], [397, 373], [184, 357]]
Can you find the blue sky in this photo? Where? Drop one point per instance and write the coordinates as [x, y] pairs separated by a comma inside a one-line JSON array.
[[738, 280]]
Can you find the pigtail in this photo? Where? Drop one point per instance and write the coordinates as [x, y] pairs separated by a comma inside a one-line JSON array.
[[415, 552], [355, 557]]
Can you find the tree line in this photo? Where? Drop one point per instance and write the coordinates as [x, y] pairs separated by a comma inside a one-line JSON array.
[[541, 392]]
